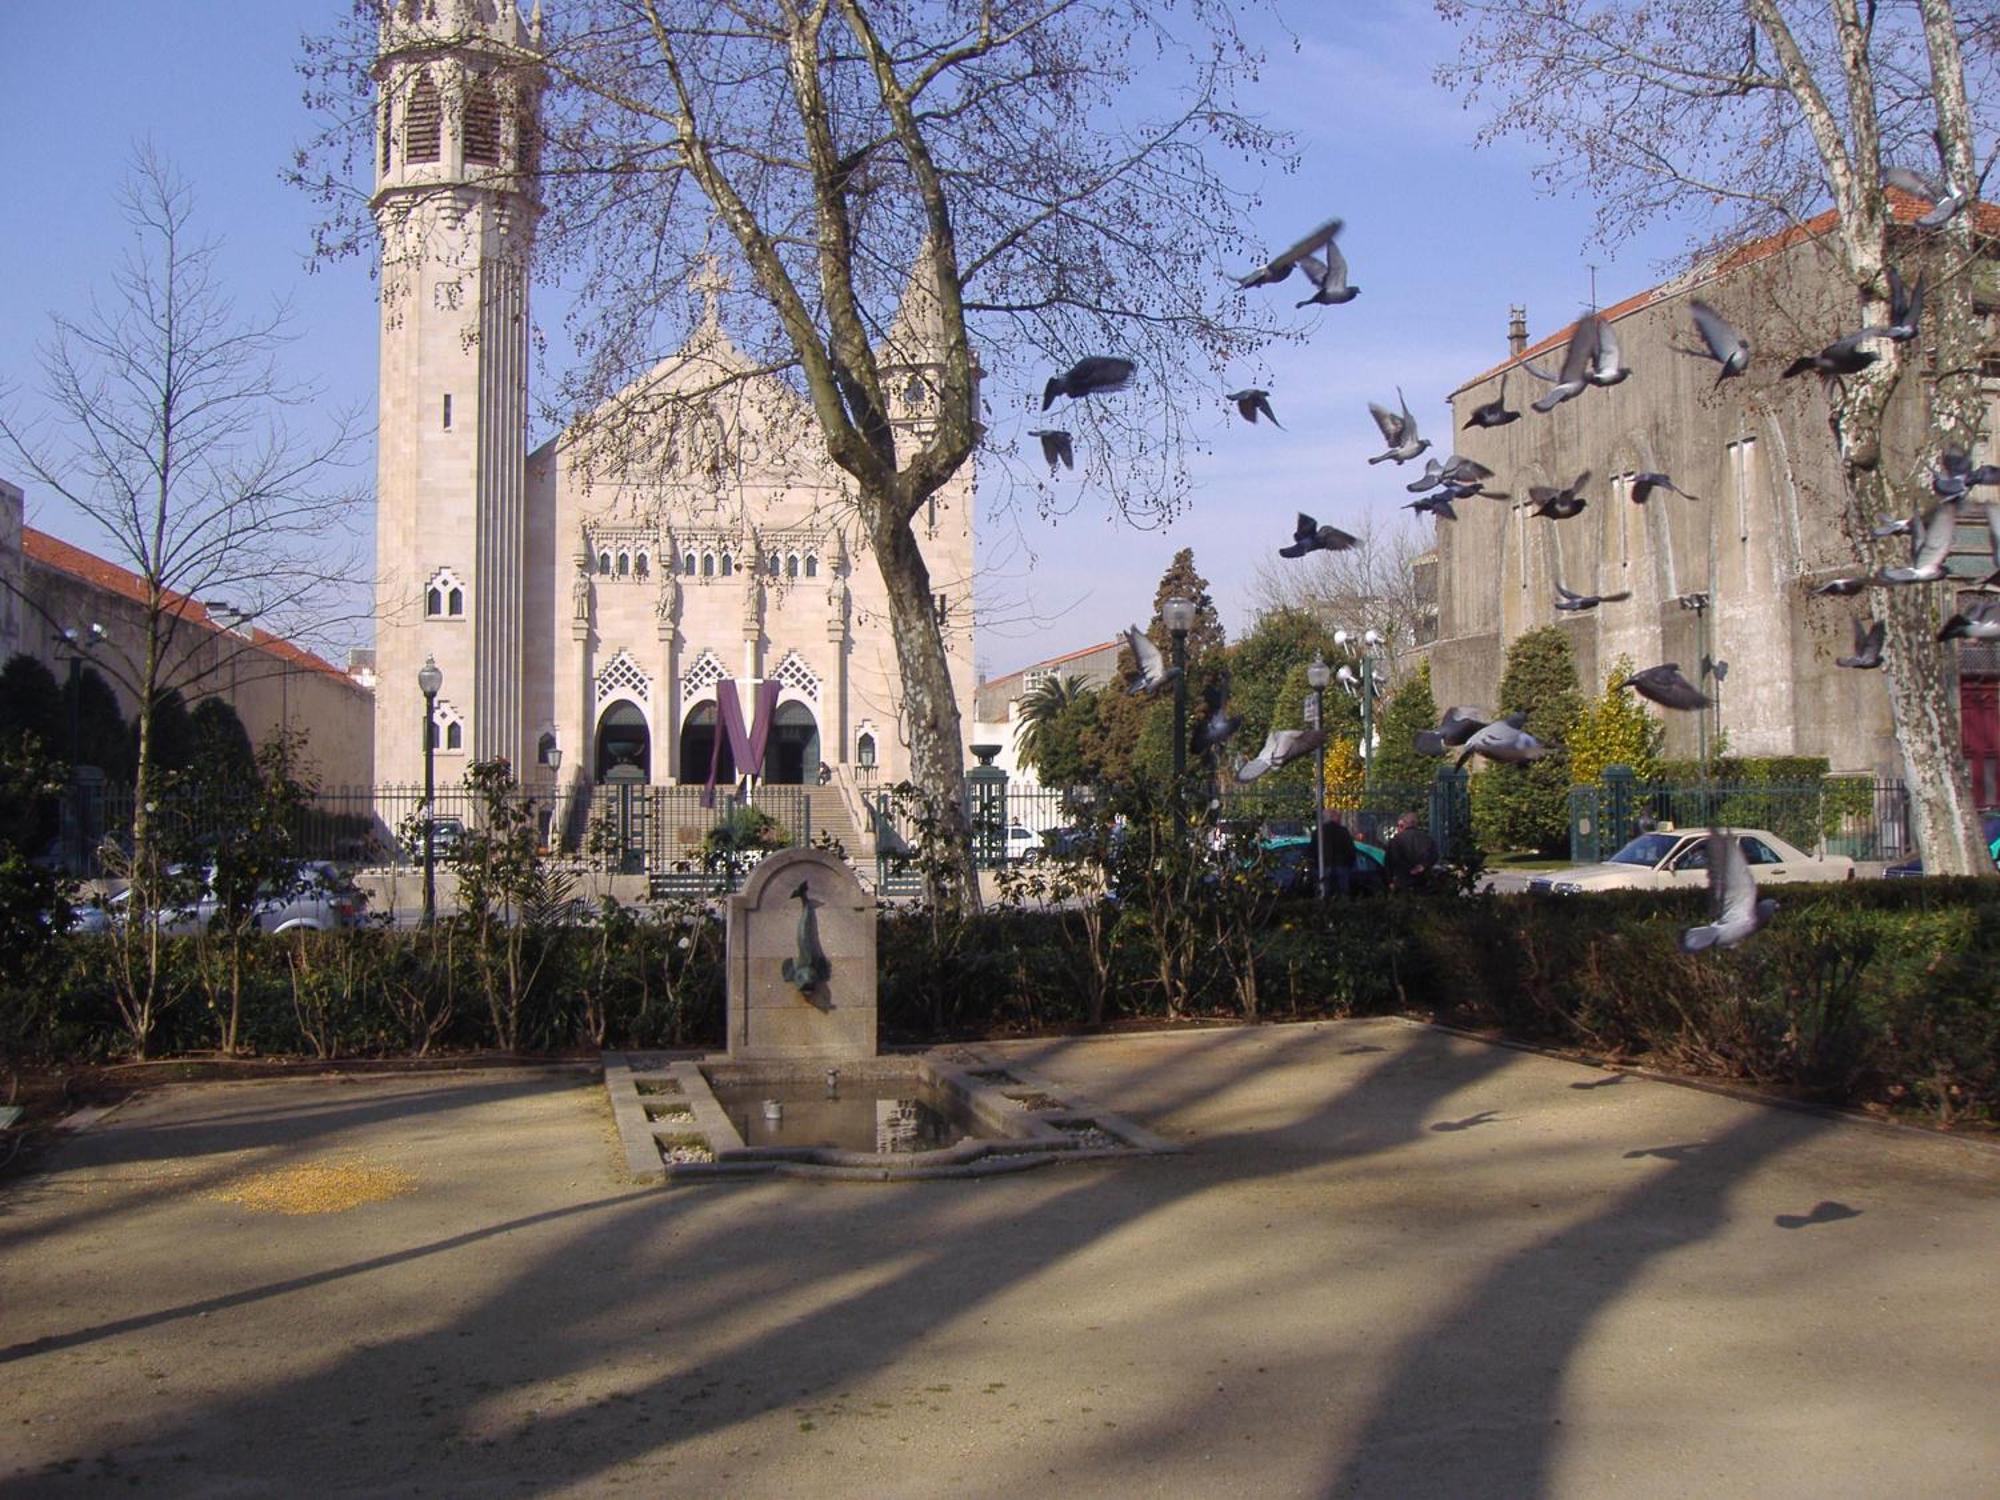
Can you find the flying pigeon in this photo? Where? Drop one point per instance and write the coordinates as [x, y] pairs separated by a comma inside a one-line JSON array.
[[1576, 603], [1152, 672], [1329, 276], [1992, 544], [1055, 447], [1309, 536], [1844, 356], [1457, 471], [1253, 402], [1944, 198], [1907, 526], [1980, 622], [1557, 504], [1721, 342], [1279, 266], [1089, 377], [1842, 588], [1867, 646], [1281, 748], [1666, 687], [1213, 729], [1607, 365], [1643, 486], [1457, 726], [1955, 474], [1578, 359], [1438, 504], [1906, 308], [1735, 909], [1933, 547], [1399, 431], [1505, 741], [1494, 413]]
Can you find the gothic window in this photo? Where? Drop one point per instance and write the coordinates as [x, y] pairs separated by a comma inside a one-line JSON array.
[[527, 145], [447, 411], [795, 674], [708, 565], [544, 748], [444, 596], [728, 565], [604, 562], [687, 566], [792, 566], [864, 752], [624, 564], [774, 564], [641, 566], [423, 122], [622, 677], [812, 566], [447, 727], [1745, 483], [704, 674], [482, 123]]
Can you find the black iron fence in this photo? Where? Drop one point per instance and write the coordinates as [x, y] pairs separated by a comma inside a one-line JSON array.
[[1859, 816]]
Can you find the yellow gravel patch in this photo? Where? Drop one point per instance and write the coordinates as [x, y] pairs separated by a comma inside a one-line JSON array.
[[325, 1187]]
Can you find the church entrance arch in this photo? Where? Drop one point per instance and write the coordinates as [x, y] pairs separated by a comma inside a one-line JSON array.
[[624, 744], [791, 757], [698, 732]]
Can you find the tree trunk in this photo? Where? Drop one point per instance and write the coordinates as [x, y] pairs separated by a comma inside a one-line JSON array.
[[930, 716]]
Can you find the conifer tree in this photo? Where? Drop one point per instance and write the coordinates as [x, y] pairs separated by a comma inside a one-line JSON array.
[[1527, 807]]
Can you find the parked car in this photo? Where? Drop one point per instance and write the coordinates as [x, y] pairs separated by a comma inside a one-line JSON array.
[[1667, 858], [321, 898], [447, 833], [1017, 842], [1296, 869], [1990, 827]]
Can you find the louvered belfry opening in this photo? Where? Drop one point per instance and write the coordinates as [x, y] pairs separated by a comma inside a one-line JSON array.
[[423, 123], [482, 123]]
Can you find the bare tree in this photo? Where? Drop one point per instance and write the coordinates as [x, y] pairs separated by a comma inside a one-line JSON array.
[[921, 193], [1751, 115], [1374, 585], [168, 432]]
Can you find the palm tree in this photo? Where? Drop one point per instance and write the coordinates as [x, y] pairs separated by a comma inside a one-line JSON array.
[[1041, 706]]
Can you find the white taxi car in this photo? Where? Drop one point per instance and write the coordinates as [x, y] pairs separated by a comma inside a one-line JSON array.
[[1675, 857]]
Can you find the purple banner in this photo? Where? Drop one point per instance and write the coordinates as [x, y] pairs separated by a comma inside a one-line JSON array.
[[745, 745]]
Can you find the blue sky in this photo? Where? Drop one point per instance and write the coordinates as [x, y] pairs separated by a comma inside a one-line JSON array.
[[1441, 237]]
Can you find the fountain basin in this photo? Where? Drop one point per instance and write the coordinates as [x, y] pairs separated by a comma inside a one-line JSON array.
[[890, 1117]]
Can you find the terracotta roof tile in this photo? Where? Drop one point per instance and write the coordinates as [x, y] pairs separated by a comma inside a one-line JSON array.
[[1903, 209], [53, 552]]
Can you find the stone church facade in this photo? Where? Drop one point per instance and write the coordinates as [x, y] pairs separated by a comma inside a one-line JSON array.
[[591, 604]]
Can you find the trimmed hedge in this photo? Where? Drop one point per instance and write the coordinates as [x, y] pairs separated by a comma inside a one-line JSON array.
[[1878, 994]]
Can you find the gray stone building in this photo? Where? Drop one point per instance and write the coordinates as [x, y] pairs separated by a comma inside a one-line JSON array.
[[1726, 576]]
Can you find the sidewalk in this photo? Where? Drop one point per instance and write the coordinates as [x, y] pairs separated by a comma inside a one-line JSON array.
[[1394, 1262]]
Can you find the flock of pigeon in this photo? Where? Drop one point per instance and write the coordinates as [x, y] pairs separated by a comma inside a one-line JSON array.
[[1591, 358]]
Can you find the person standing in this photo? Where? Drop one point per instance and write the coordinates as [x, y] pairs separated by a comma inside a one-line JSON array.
[[1340, 855], [1411, 856]]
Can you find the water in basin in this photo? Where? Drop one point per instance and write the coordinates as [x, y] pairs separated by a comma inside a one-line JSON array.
[[885, 1116]]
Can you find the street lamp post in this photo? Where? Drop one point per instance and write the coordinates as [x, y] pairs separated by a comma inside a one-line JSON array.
[[429, 680], [1318, 675], [1364, 655], [1177, 615]]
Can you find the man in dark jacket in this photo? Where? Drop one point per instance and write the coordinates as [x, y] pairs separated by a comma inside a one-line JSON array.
[[1411, 856], [1340, 854]]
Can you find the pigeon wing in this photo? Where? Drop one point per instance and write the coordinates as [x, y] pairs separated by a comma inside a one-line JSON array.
[[1722, 340], [1389, 422], [1729, 882], [1605, 363], [1582, 350], [1152, 665], [1940, 526]]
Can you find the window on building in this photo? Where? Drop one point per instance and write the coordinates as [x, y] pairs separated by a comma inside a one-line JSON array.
[[482, 123], [864, 751], [641, 566], [544, 748], [708, 565], [444, 596], [728, 565], [792, 566], [812, 566], [1744, 478], [454, 736], [388, 133], [604, 562], [941, 607], [447, 411], [624, 564], [454, 602], [772, 564], [423, 122], [434, 601], [687, 565]]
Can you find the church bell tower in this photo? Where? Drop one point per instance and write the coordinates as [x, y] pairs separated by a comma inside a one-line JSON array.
[[458, 91]]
